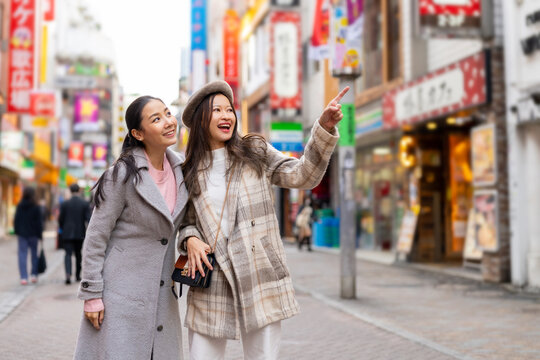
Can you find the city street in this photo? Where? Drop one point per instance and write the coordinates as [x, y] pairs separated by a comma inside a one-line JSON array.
[[400, 313]]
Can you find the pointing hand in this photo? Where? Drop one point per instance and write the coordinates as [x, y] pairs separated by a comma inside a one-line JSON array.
[[332, 113]]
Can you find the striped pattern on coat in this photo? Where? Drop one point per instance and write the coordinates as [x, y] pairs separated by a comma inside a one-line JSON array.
[[251, 286]]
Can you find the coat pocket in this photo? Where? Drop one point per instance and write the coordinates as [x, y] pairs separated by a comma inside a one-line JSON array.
[[275, 258]]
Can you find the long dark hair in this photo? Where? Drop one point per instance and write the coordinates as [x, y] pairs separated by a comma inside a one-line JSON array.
[[133, 121], [249, 149]]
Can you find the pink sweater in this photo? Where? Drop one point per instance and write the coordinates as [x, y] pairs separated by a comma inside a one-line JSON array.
[[166, 183]]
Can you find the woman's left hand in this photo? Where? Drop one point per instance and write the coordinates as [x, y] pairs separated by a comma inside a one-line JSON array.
[[332, 113]]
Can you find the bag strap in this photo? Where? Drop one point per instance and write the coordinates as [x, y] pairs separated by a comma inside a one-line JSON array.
[[182, 259], [222, 210]]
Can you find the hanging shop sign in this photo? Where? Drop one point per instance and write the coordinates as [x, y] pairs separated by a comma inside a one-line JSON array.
[[286, 61], [450, 17], [86, 112], [99, 155], [43, 103], [347, 126], [198, 44], [76, 154], [455, 87], [287, 136], [318, 48], [346, 32], [21, 74], [484, 155], [42, 146], [486, 219], [231, 46]]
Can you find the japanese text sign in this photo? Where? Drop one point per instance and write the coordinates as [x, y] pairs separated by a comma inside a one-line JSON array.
[[450, 13], [458, 86], [198, 25], [21, 55], [286, 58]]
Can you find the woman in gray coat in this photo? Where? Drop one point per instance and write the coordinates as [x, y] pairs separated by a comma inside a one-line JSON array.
[[130, 311]]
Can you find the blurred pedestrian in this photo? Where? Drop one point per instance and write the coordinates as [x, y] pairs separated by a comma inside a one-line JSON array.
[[303, 222], [250, 290], [29, 230], [73, 219], [129, 249]]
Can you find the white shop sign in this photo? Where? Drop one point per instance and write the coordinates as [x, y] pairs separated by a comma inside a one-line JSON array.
[[438, 92]]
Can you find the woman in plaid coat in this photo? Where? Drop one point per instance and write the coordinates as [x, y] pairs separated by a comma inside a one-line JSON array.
[[229, 179]]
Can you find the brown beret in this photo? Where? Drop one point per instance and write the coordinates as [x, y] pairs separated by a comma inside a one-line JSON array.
[[195, 100]]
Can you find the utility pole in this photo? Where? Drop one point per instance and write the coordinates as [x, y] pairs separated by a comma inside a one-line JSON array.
[[347, 206], [346, 26]]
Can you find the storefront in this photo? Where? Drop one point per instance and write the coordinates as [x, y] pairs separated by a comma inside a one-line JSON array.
[[448, 153], [378, 181]]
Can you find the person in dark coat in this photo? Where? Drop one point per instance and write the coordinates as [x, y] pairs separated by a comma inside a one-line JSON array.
[[29, 229], [73, 219]]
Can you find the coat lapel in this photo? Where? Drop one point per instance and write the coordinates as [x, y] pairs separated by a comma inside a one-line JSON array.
[[233, 195], [181, 191], [147, 188]]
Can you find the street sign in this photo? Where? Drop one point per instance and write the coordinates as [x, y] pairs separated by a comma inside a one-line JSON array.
[[347, 126]]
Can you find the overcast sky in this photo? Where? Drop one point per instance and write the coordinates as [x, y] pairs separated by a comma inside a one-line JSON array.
[[148, 36]]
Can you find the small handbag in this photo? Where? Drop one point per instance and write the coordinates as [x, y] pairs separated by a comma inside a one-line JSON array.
[[42, 262], [180, 272]]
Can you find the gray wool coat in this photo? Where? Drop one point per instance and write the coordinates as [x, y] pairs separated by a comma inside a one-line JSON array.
[[251, 286], [128, 259]]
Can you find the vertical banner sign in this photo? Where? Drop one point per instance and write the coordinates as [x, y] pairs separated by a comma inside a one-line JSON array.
[[286, 61], [450, 16], [347, 126], [231, 40], [99, 155], [21, 55], [347, 25], [76, 154], [321, 31], [86, 113], [198, 44]]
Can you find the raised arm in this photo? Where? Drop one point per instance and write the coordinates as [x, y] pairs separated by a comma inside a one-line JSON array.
[[307, 172]]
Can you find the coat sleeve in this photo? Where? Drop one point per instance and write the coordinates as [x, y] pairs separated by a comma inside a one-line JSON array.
[[102, 223], [188, 227], [308, 171]]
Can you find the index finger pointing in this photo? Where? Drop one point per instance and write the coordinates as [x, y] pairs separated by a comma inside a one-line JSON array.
[[341, 94]]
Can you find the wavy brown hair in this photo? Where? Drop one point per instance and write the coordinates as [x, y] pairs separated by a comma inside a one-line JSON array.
[[248, 150]]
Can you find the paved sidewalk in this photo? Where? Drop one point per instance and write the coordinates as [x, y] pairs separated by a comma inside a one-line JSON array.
[[400, 313], [457, 316]]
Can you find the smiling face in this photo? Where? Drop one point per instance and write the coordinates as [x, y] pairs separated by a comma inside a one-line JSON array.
[[158, 126], [222, 123]]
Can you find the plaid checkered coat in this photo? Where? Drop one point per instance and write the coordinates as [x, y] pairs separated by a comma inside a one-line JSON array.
[[251, 286]]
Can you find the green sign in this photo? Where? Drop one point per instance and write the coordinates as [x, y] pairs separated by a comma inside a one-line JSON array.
[[346, 125], [62, 183]]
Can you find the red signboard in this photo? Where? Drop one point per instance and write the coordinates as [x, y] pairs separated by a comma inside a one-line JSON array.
[[76, 154], [450, 13], [48, 10], [42, 103], [21, 55], [231, 38], [458, 86], [286, 61]]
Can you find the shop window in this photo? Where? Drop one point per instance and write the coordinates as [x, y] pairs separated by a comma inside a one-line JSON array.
[[382, 45]]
